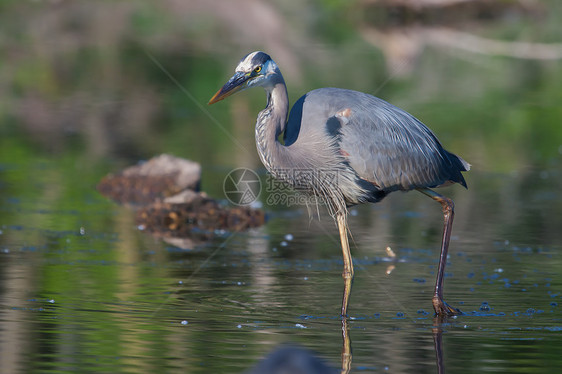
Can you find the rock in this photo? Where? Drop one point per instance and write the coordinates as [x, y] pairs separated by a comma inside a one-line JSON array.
[[151, 181], [164, 192]]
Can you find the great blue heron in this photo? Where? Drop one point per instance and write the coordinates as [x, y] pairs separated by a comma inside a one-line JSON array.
[[349, 148]]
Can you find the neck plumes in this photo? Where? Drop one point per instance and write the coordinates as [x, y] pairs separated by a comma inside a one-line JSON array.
[[320, 172], [270, 124]]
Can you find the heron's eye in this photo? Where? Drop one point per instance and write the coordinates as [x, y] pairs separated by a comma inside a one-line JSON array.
[[257, 69]]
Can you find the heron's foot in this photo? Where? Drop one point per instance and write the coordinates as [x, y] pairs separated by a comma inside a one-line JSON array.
[[344, 305], [443, 309]]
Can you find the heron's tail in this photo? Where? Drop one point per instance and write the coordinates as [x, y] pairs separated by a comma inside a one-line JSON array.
[[458, 165]]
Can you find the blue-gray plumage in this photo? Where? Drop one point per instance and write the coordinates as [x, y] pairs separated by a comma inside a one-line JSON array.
[[347, 147], [383, 144]]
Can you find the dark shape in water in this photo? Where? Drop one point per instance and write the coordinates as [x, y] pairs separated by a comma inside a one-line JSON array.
[[294, 360]]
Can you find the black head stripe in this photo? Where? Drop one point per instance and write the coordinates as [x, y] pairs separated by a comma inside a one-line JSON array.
[[260, 58]]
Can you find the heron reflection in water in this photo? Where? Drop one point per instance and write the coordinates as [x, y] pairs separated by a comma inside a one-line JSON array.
[[373, 147]]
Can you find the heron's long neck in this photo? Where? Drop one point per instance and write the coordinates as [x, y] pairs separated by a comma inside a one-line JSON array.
[[270, 124], [282, 161]]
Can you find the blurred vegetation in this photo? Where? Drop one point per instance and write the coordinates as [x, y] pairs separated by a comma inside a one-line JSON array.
[[94, 78]]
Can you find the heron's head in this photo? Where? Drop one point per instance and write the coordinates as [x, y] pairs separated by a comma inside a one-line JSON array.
[[255, 69]]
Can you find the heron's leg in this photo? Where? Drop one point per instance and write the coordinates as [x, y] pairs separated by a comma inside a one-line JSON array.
[[347, 262], [440, 306]]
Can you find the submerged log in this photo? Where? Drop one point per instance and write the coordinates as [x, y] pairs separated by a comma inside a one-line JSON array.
[[164, 192], [180, 215]]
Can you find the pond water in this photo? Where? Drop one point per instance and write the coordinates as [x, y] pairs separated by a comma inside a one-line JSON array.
[[90, 87], [84, 290]]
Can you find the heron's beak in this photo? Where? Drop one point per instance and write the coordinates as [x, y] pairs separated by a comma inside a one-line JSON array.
[[235, 84]]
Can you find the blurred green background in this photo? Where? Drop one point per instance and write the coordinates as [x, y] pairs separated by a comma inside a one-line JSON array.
[[92, 79], [88, 87]]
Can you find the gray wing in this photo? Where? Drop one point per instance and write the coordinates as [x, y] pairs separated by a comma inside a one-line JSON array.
[[382, 143]]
